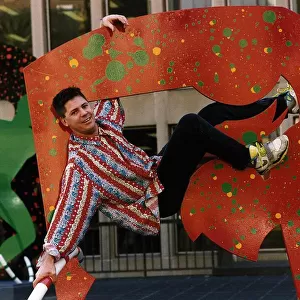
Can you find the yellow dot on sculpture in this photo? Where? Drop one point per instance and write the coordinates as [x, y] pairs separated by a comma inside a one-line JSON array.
[[211, 23], [243, 10], [241, 207], [84, 278], [299, 142], [73, 63], [132, 34], [57, 121], [226, 126], [182, 41], [277, 215], [297, 245], [106, 51], [51, 208], [215, 178], [262, 133], [229, 194], [252, 176], [280, 30], [238, 246], [54, 136], [69, 278], [156, 50], [233, 70], [47, 77], [116, 91], [184, 85], [158, 81], [48, 189]]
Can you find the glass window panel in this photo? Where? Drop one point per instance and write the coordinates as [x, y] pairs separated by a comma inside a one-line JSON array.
[[249, 2], [173, 4], [128, 8], [15, 24], [68, 20], [195, 3]]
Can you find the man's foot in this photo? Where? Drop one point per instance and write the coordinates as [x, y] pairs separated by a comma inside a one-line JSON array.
[[267, 156], [290, 98]]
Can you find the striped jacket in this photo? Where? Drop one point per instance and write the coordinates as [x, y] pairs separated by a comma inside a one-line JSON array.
[[105, 172]]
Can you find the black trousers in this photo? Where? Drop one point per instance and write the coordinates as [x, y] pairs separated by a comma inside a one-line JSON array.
[[192, 138]]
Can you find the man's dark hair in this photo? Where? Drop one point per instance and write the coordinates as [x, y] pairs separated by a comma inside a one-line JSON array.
[[63, 97]]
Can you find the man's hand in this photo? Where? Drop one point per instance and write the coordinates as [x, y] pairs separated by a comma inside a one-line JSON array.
[[110, 19], [47, 269]]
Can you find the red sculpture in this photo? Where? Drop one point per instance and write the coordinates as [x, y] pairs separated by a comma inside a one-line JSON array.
[[230, 54]]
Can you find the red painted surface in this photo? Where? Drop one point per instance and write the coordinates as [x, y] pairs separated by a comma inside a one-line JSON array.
[[231, 54]]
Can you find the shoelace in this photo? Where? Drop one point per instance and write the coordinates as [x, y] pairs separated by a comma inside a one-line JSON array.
[[261, 152]]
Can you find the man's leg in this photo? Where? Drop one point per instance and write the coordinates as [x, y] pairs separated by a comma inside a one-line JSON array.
[[217, 113], [192, 138]]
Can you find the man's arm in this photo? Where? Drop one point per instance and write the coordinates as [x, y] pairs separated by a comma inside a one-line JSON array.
[[111, 111], [76, 206]]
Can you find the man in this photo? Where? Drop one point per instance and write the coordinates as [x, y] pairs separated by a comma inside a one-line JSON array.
[[106, 172]]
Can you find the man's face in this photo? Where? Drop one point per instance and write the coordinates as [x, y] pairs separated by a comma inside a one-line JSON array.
[[79, 117]]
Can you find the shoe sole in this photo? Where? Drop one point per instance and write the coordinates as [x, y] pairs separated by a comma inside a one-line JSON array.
[[278, 161]]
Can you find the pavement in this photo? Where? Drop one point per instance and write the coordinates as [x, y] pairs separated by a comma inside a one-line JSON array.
[[176, 288]]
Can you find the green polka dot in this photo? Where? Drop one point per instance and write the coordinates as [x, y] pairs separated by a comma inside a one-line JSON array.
[[216, 78], [114, 53], [218, 166], [298, 212], [162, 81], [170, 70], [129, 64], [288, 43], [40, 102], [141, 57], [193, 211], [200, 83], [202, 209], [129, 89], [94, 47], [216, 49], [197, 63], [233, 210], [138, 41], [298, 230], [290, 223], [226, 187], [53, 152], [171, 63], [243, 43], [234, 202], [115, 71], [254, 42], [297, 276], [269, 50], [269, 16], [249, 137], [227, 32], [253, 230]]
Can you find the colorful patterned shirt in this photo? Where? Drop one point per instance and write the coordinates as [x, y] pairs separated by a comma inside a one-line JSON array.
[[108, 173]]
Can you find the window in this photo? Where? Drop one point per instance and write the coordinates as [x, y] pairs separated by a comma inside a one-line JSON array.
[[15, 24], [195, 3], [249, 2], [68, 20], [128, 8]]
